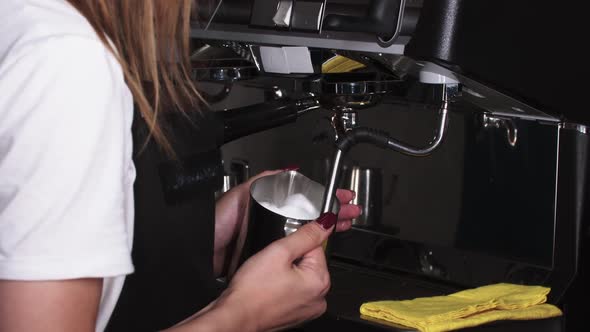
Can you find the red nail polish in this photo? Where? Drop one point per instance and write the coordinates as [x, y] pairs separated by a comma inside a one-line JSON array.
[[327, 220], [290, 168]]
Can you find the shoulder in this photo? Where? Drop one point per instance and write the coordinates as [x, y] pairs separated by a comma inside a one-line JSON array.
[[55, 70], [48, 47], [26, 24]]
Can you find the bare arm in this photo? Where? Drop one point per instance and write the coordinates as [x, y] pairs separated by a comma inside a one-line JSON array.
[[68, 305], [218, 316]]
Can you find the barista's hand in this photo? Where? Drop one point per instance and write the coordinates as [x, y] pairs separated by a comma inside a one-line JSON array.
[[231, 208], [271, 292], [230, 212]]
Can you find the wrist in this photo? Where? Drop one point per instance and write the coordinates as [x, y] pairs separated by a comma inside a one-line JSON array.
[[225, 314], [233, 307]]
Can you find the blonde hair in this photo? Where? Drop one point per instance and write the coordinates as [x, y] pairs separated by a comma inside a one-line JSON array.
[[150, 38]]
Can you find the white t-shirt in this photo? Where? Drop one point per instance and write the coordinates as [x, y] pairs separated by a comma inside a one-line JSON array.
[[66, 169]]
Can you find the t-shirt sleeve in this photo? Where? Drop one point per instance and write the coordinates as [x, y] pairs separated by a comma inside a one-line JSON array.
[[64, 162]]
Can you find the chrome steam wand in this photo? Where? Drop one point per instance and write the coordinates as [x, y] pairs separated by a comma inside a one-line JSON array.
[[385, 141]]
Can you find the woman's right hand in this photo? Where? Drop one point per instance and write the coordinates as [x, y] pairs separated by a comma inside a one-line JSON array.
[[272, 292]]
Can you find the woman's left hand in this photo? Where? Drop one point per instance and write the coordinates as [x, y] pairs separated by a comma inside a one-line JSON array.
[[231, 211], [348, 211]]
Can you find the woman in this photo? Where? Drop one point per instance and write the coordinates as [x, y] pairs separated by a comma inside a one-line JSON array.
[[72, 223]]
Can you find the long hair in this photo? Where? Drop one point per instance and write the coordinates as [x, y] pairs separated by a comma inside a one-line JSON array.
[[150, 39]]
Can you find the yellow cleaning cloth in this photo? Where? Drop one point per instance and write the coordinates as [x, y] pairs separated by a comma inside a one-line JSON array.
[[467, 308], [340, 64]]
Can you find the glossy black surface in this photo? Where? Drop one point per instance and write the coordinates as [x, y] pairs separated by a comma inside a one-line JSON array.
[[483, 195], [381, 19], [508, 195]]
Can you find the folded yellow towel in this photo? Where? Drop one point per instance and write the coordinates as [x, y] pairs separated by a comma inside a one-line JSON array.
[[340, 64], [467, 308]]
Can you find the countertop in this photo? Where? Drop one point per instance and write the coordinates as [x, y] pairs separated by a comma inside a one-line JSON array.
[[352, 286]]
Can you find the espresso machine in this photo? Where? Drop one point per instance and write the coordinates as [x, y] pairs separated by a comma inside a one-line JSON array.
[[468, 111]]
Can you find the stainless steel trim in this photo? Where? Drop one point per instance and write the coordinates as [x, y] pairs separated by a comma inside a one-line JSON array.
[[224, 74], [213, 15], [254, 57], [343, 120], [291, 226], [307, 104], [447, 92], [400, 21], [556, 196], [544, 118], [282, 17], [476, 93], [332, 182], [574, 126], [349, 120], [359, 88], [506, 123], [323, 15], [500, 104], [329, 40]]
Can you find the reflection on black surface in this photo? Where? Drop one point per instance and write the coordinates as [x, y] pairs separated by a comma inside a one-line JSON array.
[[476, 211], [509, 193]]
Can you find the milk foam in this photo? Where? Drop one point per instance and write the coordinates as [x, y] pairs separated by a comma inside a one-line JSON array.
[[296, 206]]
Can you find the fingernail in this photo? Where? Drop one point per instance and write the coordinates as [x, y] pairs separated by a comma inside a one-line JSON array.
[[353, 195], [360, 210], [290, 168], [327, 220]]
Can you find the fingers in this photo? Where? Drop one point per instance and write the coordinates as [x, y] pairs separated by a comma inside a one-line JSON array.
[[320, 309], [315, 262], [308, 237], [343, 225], [314, 259], [349, 211], [345, 195], [345, 216]]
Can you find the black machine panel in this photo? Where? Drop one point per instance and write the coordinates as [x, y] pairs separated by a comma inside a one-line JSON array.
[[477, 199], [532, 50]]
